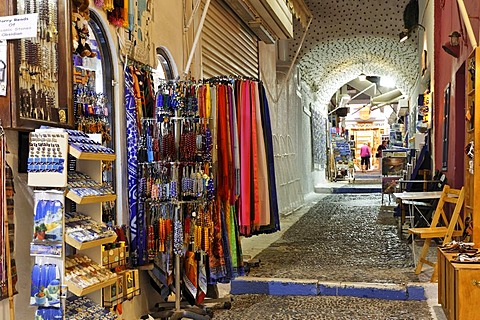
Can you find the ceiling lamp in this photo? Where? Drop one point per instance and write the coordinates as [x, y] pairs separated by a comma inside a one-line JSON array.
[[452, 46], [387, 82], [404, 35], [362, 77]]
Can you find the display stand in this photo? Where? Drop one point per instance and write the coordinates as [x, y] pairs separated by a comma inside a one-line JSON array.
[[341, 159], [54, 156], [394, 167], [6, 240], [91, 164], [179, 310], [175, 158]]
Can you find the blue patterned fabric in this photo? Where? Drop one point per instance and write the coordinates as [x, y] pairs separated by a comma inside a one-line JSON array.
[[132, 163]]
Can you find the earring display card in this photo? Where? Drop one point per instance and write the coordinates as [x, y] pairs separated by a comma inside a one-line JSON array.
[[47, 159]]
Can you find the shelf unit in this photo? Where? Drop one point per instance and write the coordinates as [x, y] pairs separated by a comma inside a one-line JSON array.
[[472, 134], [76, 290], [91, 165], [88, 244]]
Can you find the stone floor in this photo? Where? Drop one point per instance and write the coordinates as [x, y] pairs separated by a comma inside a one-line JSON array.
[[338, 237], [321, 307], [344, 237]]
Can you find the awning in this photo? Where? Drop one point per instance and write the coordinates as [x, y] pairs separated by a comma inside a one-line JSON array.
[[300, 10]]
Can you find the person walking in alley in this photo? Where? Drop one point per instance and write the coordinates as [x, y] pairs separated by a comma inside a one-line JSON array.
[[369, 164], [365, 156], [381, 147]]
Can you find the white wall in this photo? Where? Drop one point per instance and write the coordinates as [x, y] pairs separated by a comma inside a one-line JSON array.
[[291, 130]]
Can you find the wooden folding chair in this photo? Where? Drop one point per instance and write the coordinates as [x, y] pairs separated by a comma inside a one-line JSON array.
[[444, 229]]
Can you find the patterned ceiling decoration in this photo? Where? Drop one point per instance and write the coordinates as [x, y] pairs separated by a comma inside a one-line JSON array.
[[348, 37]]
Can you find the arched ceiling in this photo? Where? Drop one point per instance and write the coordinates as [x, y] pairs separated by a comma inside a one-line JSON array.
[[348, 37]]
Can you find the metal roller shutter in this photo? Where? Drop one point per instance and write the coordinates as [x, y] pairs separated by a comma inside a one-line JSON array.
[[228, 47]]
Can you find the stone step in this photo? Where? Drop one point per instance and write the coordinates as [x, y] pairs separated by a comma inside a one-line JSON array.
[[350, 188], [309, 287]]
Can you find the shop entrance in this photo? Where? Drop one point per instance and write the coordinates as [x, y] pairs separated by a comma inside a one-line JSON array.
[[372, 137], [93, 97]]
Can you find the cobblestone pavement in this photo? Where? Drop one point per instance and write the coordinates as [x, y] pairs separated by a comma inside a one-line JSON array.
[[344, 237], [321, 307]]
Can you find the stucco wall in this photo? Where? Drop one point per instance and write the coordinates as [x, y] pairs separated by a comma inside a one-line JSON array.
[[291, 131]]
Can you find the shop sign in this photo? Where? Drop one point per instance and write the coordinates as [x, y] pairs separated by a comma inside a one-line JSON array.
[[424, 108], [365, 113], [18, 26], [368, 125]]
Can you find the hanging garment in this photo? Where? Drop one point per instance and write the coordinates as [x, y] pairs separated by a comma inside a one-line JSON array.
[[223, 173], [149, 94], [190, 275], [263, 194], [138, 81], [132, 178], [217, 257], [142, 257], [255, 204], [272, 189], [214, 115], [245, 134], [235, 144], [230, 211]]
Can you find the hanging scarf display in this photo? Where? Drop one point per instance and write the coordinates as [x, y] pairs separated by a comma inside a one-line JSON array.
[[203, 150]]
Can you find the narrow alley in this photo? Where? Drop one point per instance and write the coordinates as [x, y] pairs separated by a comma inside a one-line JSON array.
[[317, 245]]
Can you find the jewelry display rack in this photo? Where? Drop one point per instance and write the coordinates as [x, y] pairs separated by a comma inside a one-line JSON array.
[[5, 232], [180, 310], [186, 127]]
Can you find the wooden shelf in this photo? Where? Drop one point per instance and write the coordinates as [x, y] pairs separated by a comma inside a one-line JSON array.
[[90, 199], [78, 291], [89, 244], [90, 155]]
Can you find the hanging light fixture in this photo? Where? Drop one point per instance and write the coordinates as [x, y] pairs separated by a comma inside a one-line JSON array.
[[362, 76], [404, 35]]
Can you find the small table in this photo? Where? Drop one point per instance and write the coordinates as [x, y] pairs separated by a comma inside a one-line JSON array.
[[403, 183], [410, 198], [417, 195]]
